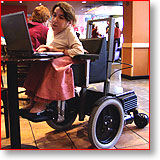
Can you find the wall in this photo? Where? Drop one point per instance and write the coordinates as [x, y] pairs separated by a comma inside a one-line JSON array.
[[135, 49], [12, 9]]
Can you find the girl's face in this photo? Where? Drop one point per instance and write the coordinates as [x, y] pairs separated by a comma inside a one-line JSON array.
[[59, 23]]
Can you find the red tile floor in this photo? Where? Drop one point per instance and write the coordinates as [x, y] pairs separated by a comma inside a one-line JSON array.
[[42, 136]]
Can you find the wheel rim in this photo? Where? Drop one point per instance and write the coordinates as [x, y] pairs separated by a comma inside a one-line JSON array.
[[107, 124]]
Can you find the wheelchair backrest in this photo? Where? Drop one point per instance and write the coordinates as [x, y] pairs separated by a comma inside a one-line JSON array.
[[92, 45], [98, 67]]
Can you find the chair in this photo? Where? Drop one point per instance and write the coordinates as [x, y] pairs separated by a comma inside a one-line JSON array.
[[4, 98], [22, 71], [84, 74], [96, 70], [99, 64]]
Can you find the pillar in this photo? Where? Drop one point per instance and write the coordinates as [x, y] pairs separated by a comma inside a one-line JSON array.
[[135, 49]]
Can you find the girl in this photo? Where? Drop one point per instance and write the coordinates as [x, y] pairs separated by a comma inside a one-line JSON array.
[[52, 81]]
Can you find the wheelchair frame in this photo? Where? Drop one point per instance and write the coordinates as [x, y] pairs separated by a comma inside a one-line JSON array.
[[108, 112]]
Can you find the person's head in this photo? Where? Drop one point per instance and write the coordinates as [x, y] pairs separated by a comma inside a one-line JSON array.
[[117, 24], [40, 14], [63, 15]]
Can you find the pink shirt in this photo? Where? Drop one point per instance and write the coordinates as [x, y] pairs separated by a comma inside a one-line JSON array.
[[38, 34]]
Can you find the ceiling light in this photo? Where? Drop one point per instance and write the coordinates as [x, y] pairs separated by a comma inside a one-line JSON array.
[[2, 1], [20, 1], [84, 2]]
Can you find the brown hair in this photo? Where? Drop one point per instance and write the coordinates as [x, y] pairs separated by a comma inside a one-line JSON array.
[[40, 14], [69, 12]]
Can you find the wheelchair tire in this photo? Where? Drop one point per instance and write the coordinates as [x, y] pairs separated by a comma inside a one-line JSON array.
[[141, 120], [71, 111], [106, 123]]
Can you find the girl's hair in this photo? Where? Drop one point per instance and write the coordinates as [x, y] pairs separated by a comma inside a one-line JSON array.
[[69, 12], [40, 14]]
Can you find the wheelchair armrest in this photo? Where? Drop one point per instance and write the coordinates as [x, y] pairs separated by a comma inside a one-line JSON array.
[[86, 56]]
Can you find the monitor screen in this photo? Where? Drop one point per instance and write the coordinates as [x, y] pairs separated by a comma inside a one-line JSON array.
[[16, 32]]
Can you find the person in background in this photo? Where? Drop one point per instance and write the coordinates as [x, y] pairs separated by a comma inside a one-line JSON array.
[[117, 36], [53, 80], [107, 28], [117, 33], [95, 33], [38, 26], [107, 32]]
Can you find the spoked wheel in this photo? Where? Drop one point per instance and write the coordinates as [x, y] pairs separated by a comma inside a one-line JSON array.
[[106, 123], [70, 114]]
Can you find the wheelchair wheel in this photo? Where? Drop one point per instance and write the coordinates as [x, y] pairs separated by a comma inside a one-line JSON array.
[[106, 123], [141, 120], [71, 110]]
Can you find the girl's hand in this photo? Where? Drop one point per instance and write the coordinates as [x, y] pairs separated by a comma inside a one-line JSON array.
[[44, 48]]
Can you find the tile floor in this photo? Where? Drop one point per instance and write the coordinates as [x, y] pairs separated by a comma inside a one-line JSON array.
[[42, 136]]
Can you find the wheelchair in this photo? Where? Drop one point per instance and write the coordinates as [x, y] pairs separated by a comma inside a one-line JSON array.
[[108, 112]]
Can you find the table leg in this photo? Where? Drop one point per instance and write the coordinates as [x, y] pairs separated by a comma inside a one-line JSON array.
[[13, 106]]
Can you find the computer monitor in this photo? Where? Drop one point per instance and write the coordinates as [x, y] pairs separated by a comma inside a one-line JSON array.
[[16, 34]]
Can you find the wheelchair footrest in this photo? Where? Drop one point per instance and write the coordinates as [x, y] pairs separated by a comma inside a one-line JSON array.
[[128, 100]]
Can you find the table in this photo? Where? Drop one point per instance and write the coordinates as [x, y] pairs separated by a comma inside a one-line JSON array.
[[13, 106]]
